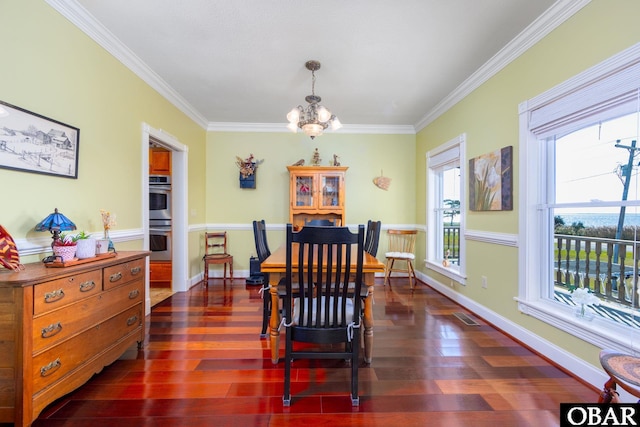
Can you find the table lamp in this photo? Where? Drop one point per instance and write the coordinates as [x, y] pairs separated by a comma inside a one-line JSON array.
[[55, 223]]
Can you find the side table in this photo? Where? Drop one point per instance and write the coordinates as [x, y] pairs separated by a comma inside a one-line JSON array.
[[623, 370]]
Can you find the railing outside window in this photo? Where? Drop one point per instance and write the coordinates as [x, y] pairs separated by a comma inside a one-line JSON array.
[[451, 243], [582, 261]]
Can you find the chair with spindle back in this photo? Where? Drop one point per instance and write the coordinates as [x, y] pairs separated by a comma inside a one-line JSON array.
[[401, 247], [215, 245]]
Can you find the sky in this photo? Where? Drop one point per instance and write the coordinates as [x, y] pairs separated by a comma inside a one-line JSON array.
[[588, 162]]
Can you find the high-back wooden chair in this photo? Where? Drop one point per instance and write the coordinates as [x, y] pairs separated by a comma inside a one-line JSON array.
[[263, 252], [215, 246], [319, 222], [322, 299], [401, 247], [372, 237]]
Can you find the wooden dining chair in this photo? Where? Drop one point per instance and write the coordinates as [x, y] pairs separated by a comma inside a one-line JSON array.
[[322, 300], [372, 237], [215, 245], [401, 248], [263, 252]]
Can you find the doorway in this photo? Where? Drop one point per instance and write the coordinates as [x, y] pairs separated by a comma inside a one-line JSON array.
[[179, 225]]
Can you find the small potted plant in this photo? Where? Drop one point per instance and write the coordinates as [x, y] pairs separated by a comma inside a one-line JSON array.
[[65, 247], [86, 245]]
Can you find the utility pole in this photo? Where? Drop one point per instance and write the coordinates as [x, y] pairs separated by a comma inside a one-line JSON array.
[[626, 173]]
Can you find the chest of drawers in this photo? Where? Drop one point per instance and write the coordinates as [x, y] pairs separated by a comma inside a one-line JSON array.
[[60, 326]]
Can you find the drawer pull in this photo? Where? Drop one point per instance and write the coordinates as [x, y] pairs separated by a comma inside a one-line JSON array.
[[50, 368], [51, 330], [135, 270], [87, 286], [132, 320], [115, 277], [54, 296], [134, 294]]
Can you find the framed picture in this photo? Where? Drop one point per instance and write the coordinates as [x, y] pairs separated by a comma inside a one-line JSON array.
[[30, 142], [491, 181]]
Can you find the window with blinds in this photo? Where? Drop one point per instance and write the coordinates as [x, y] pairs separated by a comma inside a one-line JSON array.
[[579, 195]]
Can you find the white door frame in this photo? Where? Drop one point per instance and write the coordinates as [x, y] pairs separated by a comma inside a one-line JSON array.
[[179, 223]]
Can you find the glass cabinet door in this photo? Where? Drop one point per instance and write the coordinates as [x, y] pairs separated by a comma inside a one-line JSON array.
[[330, 186], [304, 191]]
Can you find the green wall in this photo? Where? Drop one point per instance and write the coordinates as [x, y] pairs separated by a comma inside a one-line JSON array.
[[489, 117], [233, 208], [52, 68]]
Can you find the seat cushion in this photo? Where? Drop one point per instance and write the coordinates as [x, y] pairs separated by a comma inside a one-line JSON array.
[[349, 309], [400, 255]]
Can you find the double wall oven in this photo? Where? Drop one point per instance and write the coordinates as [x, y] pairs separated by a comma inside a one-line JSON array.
[[160, 217]]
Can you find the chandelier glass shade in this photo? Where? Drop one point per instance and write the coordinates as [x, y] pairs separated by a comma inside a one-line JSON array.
[[315, 118]]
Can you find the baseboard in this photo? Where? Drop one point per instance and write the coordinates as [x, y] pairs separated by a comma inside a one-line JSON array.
[[582, 370]]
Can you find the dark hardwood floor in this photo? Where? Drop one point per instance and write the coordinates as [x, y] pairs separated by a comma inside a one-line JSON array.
[[205, 365]]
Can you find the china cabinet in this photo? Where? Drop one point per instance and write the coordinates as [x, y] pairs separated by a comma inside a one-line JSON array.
[[316, 192]]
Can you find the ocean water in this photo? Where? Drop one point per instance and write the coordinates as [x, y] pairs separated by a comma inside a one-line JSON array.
[[600, 219]]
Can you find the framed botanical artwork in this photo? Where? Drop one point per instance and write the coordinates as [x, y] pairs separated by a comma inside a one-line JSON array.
[[30, 142], [491, 181]]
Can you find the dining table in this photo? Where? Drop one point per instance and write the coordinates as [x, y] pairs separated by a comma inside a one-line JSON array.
[[275, 265]]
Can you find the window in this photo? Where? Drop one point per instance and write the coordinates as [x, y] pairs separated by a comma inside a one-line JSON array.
[[580, 203], [445, 209]]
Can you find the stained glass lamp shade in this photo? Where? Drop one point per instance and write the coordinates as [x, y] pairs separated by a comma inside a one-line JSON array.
[[55, 223]]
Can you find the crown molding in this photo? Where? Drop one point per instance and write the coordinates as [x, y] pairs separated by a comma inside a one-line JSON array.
[[246, 127], [282, 127], [79, 17], [553, 17], [558, 13]]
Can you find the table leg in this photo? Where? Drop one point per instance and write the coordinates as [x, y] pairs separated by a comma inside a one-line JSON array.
[[609, 393], [274, 321], [368, 320]]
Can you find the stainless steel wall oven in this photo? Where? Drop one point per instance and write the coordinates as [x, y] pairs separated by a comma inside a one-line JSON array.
[[160, 244], [160, 217], [159, 198]]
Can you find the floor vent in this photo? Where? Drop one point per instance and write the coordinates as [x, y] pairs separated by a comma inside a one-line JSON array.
[[466, 319]]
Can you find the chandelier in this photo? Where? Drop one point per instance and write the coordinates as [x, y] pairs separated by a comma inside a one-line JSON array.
[[314, 119]]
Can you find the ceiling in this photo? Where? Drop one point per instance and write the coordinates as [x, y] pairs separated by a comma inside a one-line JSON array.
[[385, 64]]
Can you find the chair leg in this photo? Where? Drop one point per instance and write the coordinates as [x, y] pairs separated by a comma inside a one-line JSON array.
[[411, 274], [355, 400], [387, 271], [206, 274], [266, 309], [286, 396]]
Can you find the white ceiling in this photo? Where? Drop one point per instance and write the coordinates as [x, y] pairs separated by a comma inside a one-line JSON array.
[[385, 64]]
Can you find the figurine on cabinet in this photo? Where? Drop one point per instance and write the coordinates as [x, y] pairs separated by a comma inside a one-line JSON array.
[[315, 160], [336, 160]]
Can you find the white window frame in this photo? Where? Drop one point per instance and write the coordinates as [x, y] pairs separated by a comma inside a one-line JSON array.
[[561, 110], [442, 155]]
